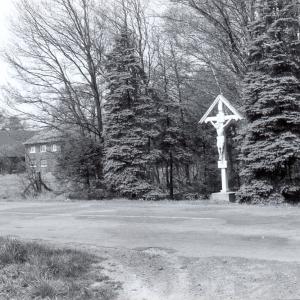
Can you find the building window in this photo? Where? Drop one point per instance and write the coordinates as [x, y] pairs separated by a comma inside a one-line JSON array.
[[32, 149], [43, 163], [32, 164], [54, 148], [43, 148]]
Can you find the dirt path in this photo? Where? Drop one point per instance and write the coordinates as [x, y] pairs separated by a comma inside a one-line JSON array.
[[159, 274]]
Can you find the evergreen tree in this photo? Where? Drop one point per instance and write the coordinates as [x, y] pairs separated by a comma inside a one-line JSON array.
[[270, 150], [130, 123]]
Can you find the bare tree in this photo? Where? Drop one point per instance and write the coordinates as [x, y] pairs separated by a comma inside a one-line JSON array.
[[218, 25], [57, 55]]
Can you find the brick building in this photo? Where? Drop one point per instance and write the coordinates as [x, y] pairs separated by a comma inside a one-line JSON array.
[[42, 151]]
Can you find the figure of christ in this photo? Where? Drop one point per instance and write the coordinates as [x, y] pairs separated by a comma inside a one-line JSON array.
[[220, 127]]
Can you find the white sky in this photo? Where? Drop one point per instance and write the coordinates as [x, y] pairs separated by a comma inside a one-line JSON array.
[[7, 13], [6, 9]]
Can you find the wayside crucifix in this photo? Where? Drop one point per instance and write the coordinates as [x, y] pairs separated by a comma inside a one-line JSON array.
[[220, 122]]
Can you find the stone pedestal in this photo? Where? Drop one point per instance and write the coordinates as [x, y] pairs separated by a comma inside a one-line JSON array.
[[223, 197]]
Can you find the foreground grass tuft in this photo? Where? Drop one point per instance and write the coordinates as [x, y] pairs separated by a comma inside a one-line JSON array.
[[29, 270], [43, 289], [12, 252]]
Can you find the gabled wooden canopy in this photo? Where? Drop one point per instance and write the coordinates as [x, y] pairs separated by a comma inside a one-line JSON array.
[[235, 114]]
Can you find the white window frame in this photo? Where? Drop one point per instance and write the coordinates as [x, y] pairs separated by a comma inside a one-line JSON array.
[[32, 164], [54, 148], [44, 163], [32, 149], [43, 148]]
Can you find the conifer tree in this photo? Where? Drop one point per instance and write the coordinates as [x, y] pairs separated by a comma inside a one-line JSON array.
[[129, 122], [271, 143]]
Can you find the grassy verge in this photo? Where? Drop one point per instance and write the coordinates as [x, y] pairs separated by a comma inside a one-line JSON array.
[[13, 186], [29, 270]]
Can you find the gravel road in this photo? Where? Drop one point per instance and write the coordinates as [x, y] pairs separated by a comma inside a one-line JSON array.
[[174, 250]]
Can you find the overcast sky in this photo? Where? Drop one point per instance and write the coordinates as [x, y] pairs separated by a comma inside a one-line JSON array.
[[6, 9], [7, 12]]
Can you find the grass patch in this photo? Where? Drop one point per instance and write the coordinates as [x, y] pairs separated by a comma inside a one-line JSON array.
[[29, 270], [13, 186]]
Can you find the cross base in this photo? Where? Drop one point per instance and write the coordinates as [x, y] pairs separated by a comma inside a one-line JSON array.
[[222, 164], [222, 197]]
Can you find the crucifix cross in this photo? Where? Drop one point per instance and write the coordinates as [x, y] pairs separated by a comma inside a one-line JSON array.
[[220, 122]]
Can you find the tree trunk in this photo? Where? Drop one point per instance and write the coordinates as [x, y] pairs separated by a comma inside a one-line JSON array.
[[167, 175], [171, 184], [156, 172], [38, 182], [187, 174], [87, 179]]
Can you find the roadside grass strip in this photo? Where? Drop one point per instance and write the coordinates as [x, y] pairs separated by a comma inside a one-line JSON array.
[[29, 270]]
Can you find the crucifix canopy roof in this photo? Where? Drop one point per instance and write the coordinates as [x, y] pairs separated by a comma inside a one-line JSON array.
[[235, 114]]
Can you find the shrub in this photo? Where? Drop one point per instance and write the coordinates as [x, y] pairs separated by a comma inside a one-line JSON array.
[[89, 194], [257, 191], [79, 161]]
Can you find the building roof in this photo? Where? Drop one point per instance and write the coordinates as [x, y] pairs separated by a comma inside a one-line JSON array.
[[45, 136], [11, 142]]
